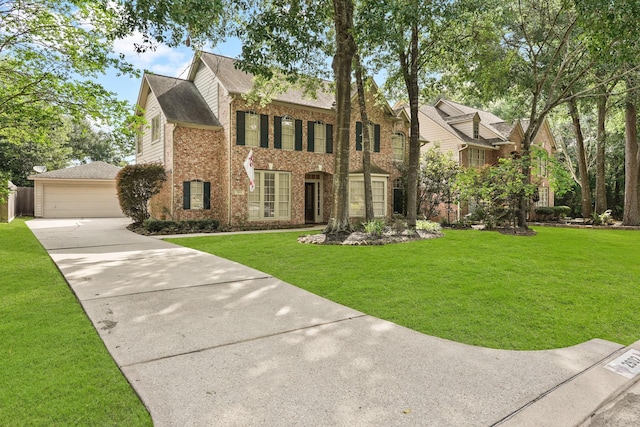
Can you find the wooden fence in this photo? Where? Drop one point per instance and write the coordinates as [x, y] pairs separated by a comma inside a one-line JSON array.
[[24, 201]]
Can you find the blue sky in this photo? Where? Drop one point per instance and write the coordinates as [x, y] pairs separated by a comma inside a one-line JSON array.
[[164, 60]]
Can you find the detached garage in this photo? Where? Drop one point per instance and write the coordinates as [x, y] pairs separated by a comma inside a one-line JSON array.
[[85, 191]]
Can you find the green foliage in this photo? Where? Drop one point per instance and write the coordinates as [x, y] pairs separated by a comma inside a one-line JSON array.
[[375, 227], [561, 211], [50, 54], [180, 227], [496, 190], [428, 226], [544, 212], [50, 346], [433, 286], [4, 187], [136, 185], [604, 218], [436, 182], [89, 144]]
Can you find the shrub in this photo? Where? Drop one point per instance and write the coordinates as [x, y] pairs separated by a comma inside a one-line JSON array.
[[561, 211], [178, 227], [544, 212], [136, 185], [428, 226], [375, 227]]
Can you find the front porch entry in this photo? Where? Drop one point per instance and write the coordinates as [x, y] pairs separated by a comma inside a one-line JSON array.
[[313, 198]]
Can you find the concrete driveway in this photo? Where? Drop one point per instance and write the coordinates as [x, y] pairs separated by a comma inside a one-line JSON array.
[[206, 341]]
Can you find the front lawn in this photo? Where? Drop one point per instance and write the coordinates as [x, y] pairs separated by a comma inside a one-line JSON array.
[[556, 289], [54, 369]]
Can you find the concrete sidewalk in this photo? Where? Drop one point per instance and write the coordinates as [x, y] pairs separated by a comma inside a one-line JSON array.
[[206, 341]]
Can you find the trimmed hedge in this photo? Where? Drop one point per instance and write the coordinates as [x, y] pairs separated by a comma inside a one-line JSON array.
[[181, 227]]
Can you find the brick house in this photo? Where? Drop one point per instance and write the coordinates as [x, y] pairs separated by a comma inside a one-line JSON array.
[[477, 138], [202, 129]]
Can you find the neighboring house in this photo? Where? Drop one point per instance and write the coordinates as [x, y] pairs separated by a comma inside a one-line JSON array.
[[202, 129], [477, 138], [84, 191]]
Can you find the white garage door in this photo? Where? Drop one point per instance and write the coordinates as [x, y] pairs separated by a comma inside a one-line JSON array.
[[89, 200]]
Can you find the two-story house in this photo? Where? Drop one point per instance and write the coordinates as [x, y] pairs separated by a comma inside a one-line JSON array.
[[476, 138], [202, 130]]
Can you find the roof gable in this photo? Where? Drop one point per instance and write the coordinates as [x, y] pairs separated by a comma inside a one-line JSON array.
[[238, 82], [180, 101]]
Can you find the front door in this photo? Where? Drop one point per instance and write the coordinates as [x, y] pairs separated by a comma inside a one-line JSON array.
[[309, 202]]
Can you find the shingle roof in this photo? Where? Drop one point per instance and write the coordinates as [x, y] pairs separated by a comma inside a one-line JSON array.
[[238, 82], [93, 170], [181, 102]]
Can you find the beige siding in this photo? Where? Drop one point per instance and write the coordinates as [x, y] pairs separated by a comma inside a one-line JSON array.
[[436, 134], [465, 127], [152, 151], [449, 109], [38, 199], [207, 85], [487, 133]]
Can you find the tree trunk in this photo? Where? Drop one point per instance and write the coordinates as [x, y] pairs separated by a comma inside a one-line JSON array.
[[631, 211], [583, 173], [366, 142], [409, 64], [342, 61], [601, 187]]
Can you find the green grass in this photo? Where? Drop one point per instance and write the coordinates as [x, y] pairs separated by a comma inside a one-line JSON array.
[[54, 369], [558, 288]]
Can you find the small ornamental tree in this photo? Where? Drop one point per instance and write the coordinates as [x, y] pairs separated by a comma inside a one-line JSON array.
[[136, 185], [436, 179]]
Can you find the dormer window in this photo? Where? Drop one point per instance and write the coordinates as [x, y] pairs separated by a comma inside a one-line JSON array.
[[476, 130]]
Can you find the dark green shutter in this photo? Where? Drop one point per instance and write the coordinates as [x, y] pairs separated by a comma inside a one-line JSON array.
[[310, 137], [358, 136], [277, 132], [207, 195], [264, 131], [329, 134], [376, 138], [298, 134], [240, 127], [186, 195]]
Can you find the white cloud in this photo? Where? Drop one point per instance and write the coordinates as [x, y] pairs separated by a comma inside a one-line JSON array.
[[163, 60]]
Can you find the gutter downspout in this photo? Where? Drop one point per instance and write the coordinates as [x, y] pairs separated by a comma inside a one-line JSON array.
[[230, 156], [173, 170]]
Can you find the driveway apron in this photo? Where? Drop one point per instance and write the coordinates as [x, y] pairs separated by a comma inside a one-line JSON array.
[[207, 341]]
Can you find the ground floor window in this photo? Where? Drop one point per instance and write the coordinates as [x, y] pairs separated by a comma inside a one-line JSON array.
[[271, 198], [543, 194], [356, 196], [196, 195]]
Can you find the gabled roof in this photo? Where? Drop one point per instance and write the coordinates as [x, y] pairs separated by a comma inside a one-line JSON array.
[[437, 116], [93, 170], [236, 81], [180, 101]]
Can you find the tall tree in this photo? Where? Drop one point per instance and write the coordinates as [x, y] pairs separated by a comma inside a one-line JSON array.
[[366, 140], [342, 63], [49, 55], [403, 37], [543, 52], [583, 171]]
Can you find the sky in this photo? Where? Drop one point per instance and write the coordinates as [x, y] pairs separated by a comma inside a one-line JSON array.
[[167, 61]]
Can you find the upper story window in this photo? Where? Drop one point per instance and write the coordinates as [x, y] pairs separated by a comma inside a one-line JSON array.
[[288, 133], [374, 137], [319, 137], [543, 166], [397, 141], [155, 128], [476, 130], [252, 129], [476, 157]]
